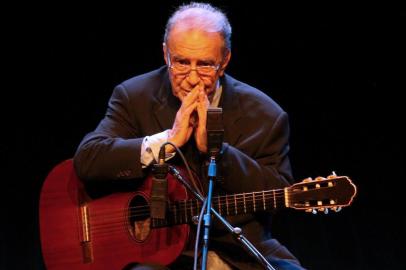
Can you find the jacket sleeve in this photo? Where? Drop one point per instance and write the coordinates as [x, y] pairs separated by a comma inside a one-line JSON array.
[[259, 160], [112, 150]]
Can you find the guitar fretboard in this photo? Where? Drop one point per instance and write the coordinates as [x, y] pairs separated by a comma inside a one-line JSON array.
[[181, 212]]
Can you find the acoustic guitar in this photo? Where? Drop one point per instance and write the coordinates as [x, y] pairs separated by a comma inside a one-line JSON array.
[[78, 232]]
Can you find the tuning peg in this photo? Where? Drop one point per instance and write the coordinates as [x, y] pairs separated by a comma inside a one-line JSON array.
[[337, 209], [326, 211], [311, 210], [307, 180], [332, 175], [330, 183], [319, 178]]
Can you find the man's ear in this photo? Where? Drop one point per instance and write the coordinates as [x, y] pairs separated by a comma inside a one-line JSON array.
[[225, 62], [165, 50]]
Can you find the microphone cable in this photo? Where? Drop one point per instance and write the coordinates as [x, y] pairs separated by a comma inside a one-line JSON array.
[[161, 160]]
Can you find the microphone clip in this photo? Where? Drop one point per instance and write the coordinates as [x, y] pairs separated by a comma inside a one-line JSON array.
[[159, 191]]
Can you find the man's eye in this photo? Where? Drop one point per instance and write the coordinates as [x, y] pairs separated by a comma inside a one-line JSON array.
[[205, 64], [182, 62]]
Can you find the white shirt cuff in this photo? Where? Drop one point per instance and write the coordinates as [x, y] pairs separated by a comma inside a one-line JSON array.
[[150, 148]]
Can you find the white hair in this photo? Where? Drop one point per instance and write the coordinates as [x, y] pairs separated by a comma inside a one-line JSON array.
[[202, 16]]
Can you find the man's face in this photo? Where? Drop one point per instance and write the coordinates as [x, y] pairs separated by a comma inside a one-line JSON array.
[[196, 58]]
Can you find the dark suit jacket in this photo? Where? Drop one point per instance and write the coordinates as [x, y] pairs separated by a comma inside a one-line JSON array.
[[256, 132]]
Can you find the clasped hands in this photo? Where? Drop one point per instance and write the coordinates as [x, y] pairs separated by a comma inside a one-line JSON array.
[[191, 118]]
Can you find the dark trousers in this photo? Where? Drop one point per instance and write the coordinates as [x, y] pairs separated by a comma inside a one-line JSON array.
[[280, 259]]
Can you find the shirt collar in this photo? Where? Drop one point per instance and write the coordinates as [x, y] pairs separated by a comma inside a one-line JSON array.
[[217, 95]]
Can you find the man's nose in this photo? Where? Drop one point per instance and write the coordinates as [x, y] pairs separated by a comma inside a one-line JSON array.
[[193, 77]]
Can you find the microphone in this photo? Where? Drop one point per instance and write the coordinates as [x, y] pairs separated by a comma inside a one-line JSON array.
[[159, 191], [215, 130]]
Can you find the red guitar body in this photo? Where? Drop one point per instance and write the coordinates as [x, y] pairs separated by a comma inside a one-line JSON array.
[[80, 233], [111, 232]]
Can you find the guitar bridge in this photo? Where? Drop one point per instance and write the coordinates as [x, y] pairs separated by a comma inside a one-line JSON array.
[[87, 251]]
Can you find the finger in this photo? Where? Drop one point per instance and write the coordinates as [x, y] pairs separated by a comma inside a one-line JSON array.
[[183, 116], [201, 85], [191, 97], [189, 109], [202, 95], [203, 105], [189, 132], [203, 100], [194, 93]]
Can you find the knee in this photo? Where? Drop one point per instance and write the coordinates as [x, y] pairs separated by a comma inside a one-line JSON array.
[[136, 266]]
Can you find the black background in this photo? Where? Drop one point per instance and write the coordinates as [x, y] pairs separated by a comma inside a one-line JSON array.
[[321, 63]]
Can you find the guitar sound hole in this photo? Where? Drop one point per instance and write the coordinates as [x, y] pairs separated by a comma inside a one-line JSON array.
[[139, 218]]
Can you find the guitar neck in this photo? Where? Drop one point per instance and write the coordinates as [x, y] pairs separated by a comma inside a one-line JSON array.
[[181, 212]]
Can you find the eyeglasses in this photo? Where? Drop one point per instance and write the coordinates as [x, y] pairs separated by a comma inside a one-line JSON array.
[[183, 68]]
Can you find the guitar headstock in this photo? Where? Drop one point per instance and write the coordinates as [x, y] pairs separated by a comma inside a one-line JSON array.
[[321, 194]]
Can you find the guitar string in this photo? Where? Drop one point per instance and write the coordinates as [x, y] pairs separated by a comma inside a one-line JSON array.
[[122, 224], [119, 229], [107, 223], [180, 210], [144, 210], [109, 227], [105, 226], [188, 209], [230, 198]]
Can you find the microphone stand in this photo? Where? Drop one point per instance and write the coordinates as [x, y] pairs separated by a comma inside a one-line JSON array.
[[215, 134], [212, 170], [235, 231]]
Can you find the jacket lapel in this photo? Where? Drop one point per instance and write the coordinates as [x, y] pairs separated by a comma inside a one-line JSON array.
[[231, 110], [166, 106]]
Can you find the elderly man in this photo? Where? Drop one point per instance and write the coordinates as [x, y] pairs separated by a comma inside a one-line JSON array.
[[170, 104]]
